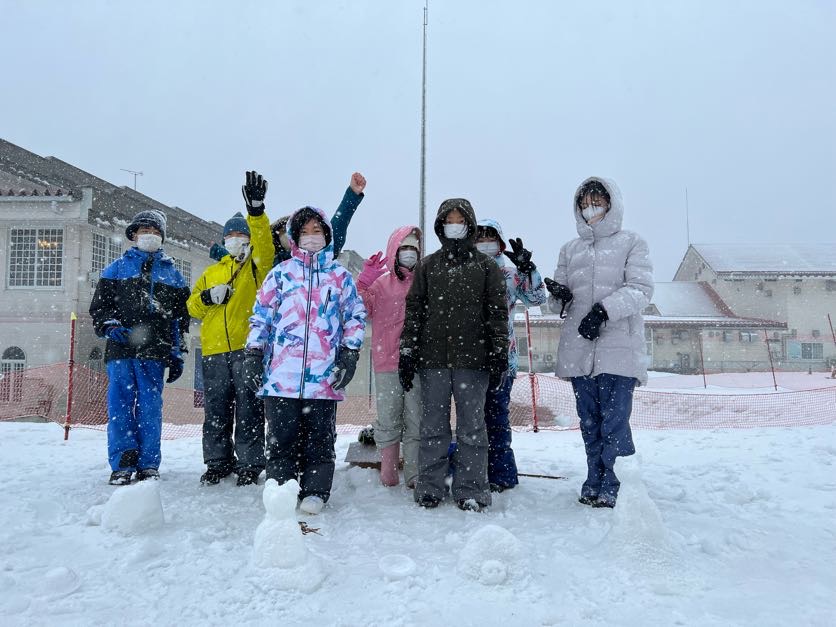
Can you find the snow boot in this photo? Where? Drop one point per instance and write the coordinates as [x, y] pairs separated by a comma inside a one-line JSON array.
[[470, 505], [389, 460], [120, 477], [147, 473], [247, 477], [588, 500], [312, 504], [604, 500], [213, 476], [428, 501]]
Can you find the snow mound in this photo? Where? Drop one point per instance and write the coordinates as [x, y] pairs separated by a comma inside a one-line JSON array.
[[396, 566], [491, 556], [58, 582], [134, 509]]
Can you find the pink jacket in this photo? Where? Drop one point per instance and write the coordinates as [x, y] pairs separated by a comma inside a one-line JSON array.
[[385, 301]]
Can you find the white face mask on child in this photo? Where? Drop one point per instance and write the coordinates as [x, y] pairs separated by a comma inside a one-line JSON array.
[[455, 231], [312, 243], [408, 258], [235, 245], [148, 242], [592, 211], [491, 249]]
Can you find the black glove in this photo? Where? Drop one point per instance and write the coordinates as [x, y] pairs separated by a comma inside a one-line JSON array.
[[521, 256], [344, 367], [406, 371], [560, 292], [175, 368], [252, 369], [366, 436], [498, 368], [590, 326], [217, 295], [254, 191]]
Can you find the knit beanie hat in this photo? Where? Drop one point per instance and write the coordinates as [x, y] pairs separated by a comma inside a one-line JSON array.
[[152, 218], [236, 223]]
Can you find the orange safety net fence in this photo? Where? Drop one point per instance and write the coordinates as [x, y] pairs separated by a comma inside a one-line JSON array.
[[42, 391]]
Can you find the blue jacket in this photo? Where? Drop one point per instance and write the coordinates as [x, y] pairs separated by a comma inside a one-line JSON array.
[[145, 293]]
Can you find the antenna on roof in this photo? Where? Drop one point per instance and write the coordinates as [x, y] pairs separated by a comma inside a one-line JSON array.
[[687, 219], [134, 172]]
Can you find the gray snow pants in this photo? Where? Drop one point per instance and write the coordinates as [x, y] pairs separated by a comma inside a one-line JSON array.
[[468, 388], [300, 443], [398, 419], [230, 407]]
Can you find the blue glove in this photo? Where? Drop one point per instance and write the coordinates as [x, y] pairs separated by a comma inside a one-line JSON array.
[[175, 368], [120, 335]]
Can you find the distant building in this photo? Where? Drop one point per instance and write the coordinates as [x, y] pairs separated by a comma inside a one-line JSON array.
[[59, 228]]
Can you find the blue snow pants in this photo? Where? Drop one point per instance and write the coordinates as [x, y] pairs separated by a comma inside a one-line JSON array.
[[135, 413], [502, 467], [604, 405]]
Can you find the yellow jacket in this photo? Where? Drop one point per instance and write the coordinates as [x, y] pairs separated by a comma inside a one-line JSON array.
[[225, 327]]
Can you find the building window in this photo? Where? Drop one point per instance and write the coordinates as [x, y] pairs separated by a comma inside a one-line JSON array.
[[12, 365], [36, 257], [106, 250], [185, 268], [805, 350], [648, 341], [748, 336]]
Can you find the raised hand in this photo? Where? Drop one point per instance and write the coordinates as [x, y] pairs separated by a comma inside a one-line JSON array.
[[520, 256], [373, 268], [254, 190], [358, 183]]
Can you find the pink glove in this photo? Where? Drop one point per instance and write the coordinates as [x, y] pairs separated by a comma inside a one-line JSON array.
[[373, 268]]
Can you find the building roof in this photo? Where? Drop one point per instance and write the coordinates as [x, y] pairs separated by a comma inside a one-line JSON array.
[[781, 259], [24, 173]]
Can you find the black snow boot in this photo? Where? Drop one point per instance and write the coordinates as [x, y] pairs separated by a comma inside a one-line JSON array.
[[147, 473], [120, 477], [470, 505], [247, 477], [428, 501], [588, 500], [213, 476]]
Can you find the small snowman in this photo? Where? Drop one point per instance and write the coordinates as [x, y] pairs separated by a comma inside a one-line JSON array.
[[278, 539]]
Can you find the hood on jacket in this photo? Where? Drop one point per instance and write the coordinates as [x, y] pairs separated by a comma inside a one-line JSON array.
[[493, 224], [395, 241], [299, 218], [611, 222], [469, 213]]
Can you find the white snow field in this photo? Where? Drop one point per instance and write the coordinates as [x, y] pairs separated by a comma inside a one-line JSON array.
[[725, 527]]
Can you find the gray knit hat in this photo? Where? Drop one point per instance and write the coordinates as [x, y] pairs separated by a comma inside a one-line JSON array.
[[152, 217]]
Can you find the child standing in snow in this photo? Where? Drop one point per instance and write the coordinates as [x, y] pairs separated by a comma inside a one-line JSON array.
[[522, 283], [606, 279], [383, 284], [455, 334], [140, 307], [305, 335]]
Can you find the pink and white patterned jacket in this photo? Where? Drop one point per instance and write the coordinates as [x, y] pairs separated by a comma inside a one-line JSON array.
[[306, 309]]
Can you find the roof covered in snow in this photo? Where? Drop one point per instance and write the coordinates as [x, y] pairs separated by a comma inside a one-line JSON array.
[[769, 258], [691, 299]]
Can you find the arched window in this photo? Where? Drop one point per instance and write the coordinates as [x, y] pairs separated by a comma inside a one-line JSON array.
[[12, 365]]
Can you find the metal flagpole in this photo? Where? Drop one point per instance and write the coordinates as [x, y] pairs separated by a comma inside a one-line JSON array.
[[422, 200]]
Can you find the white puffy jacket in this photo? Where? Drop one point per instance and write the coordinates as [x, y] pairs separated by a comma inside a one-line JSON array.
[[609, 266]]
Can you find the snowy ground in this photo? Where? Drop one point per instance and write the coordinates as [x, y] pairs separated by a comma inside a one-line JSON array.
[[714, 528]]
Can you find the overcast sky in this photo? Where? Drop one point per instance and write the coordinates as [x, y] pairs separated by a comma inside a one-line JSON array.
[[733, 100]]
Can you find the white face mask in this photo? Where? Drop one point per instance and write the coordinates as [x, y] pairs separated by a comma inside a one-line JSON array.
[[491, 249], [592, 212], [148, 242], [235, 245], [455, 231], [312, 243], [408, 258]]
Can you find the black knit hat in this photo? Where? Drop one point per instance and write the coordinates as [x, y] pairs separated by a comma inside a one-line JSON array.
[[152, 218], [301, 218]]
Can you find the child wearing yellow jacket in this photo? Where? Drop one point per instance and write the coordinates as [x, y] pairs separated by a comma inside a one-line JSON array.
[[223, 299]]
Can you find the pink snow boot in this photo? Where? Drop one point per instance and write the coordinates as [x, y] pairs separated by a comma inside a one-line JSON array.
[[389, 460]]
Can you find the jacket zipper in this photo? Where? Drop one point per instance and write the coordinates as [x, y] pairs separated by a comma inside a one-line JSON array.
[[595, 341], [226, 328], [307, 328]]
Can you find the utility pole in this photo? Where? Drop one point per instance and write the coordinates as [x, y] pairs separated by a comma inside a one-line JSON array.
[[134, 172], [422, 201]]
